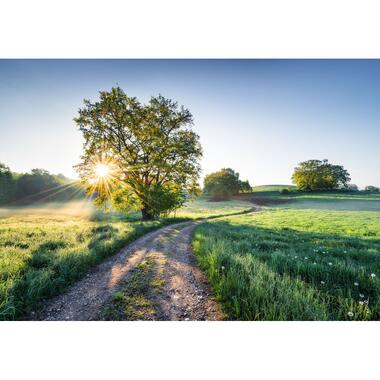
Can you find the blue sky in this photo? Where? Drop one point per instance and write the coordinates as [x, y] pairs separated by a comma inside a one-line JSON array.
[[259, 117]]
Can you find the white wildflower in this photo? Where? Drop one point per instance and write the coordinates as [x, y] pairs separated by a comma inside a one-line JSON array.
[[373, 275], [223, 268], [322, 282], [350, 314], [356, 283], [330, 263], [361, 295], [361, 303]]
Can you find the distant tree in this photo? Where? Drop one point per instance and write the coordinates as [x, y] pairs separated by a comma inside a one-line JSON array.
[[245, 187], [320, 175], [41, 186], [136, 155], [30, 185], [38, 185], [372, 189], [352, 187], [6, 184], [62, 177], [224, 183], [41, 173]]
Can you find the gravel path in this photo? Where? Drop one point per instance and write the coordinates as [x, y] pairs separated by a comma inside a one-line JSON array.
[[185, 296]]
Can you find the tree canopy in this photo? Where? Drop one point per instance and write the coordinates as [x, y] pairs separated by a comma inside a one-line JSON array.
[[149, 154], [352, 187], [34, 183], [372, 189], [245, 187], [320, 175], [224, 183]]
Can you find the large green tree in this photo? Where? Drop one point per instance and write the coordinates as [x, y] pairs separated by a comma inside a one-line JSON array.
[[137, 155], [320, 175], [224, 183]]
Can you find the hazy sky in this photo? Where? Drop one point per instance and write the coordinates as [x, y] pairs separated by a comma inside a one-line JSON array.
[[259, 117]]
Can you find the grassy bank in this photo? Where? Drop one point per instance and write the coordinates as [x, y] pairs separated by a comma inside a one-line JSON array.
[[294, 264]]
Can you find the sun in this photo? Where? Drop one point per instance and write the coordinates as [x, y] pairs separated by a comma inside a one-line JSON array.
[[103, 175], [102, 170]]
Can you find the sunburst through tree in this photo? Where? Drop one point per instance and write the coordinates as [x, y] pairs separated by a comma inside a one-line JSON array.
[[101, 176], [140, 156]]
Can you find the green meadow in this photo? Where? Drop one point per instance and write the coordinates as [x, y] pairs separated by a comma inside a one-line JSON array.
[[269, 188], [313, 257], [303, 256], [43, 249], [202, 208]]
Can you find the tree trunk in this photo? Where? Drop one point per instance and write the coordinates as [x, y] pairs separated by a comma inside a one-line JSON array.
[[147, 214]]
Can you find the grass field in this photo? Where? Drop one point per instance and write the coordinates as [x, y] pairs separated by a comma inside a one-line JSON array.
[[355, 201], [267, 188], [315, 258], [44, 249], [202, 208]]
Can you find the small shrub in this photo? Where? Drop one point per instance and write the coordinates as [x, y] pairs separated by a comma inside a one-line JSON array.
[[52, 245], [118, 296]]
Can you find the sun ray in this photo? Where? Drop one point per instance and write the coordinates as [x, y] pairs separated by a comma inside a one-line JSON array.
[[102, 175], [48, 193]]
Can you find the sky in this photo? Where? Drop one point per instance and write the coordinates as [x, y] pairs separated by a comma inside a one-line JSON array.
[[258, 117]]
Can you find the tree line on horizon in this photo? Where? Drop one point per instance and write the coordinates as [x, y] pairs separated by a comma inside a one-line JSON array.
[[37, 186], [41, 186]]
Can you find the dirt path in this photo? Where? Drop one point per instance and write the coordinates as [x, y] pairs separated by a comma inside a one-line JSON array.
[[183, 293]]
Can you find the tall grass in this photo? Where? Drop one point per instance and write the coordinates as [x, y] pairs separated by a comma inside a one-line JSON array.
[[294, 264], [38, 260]]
